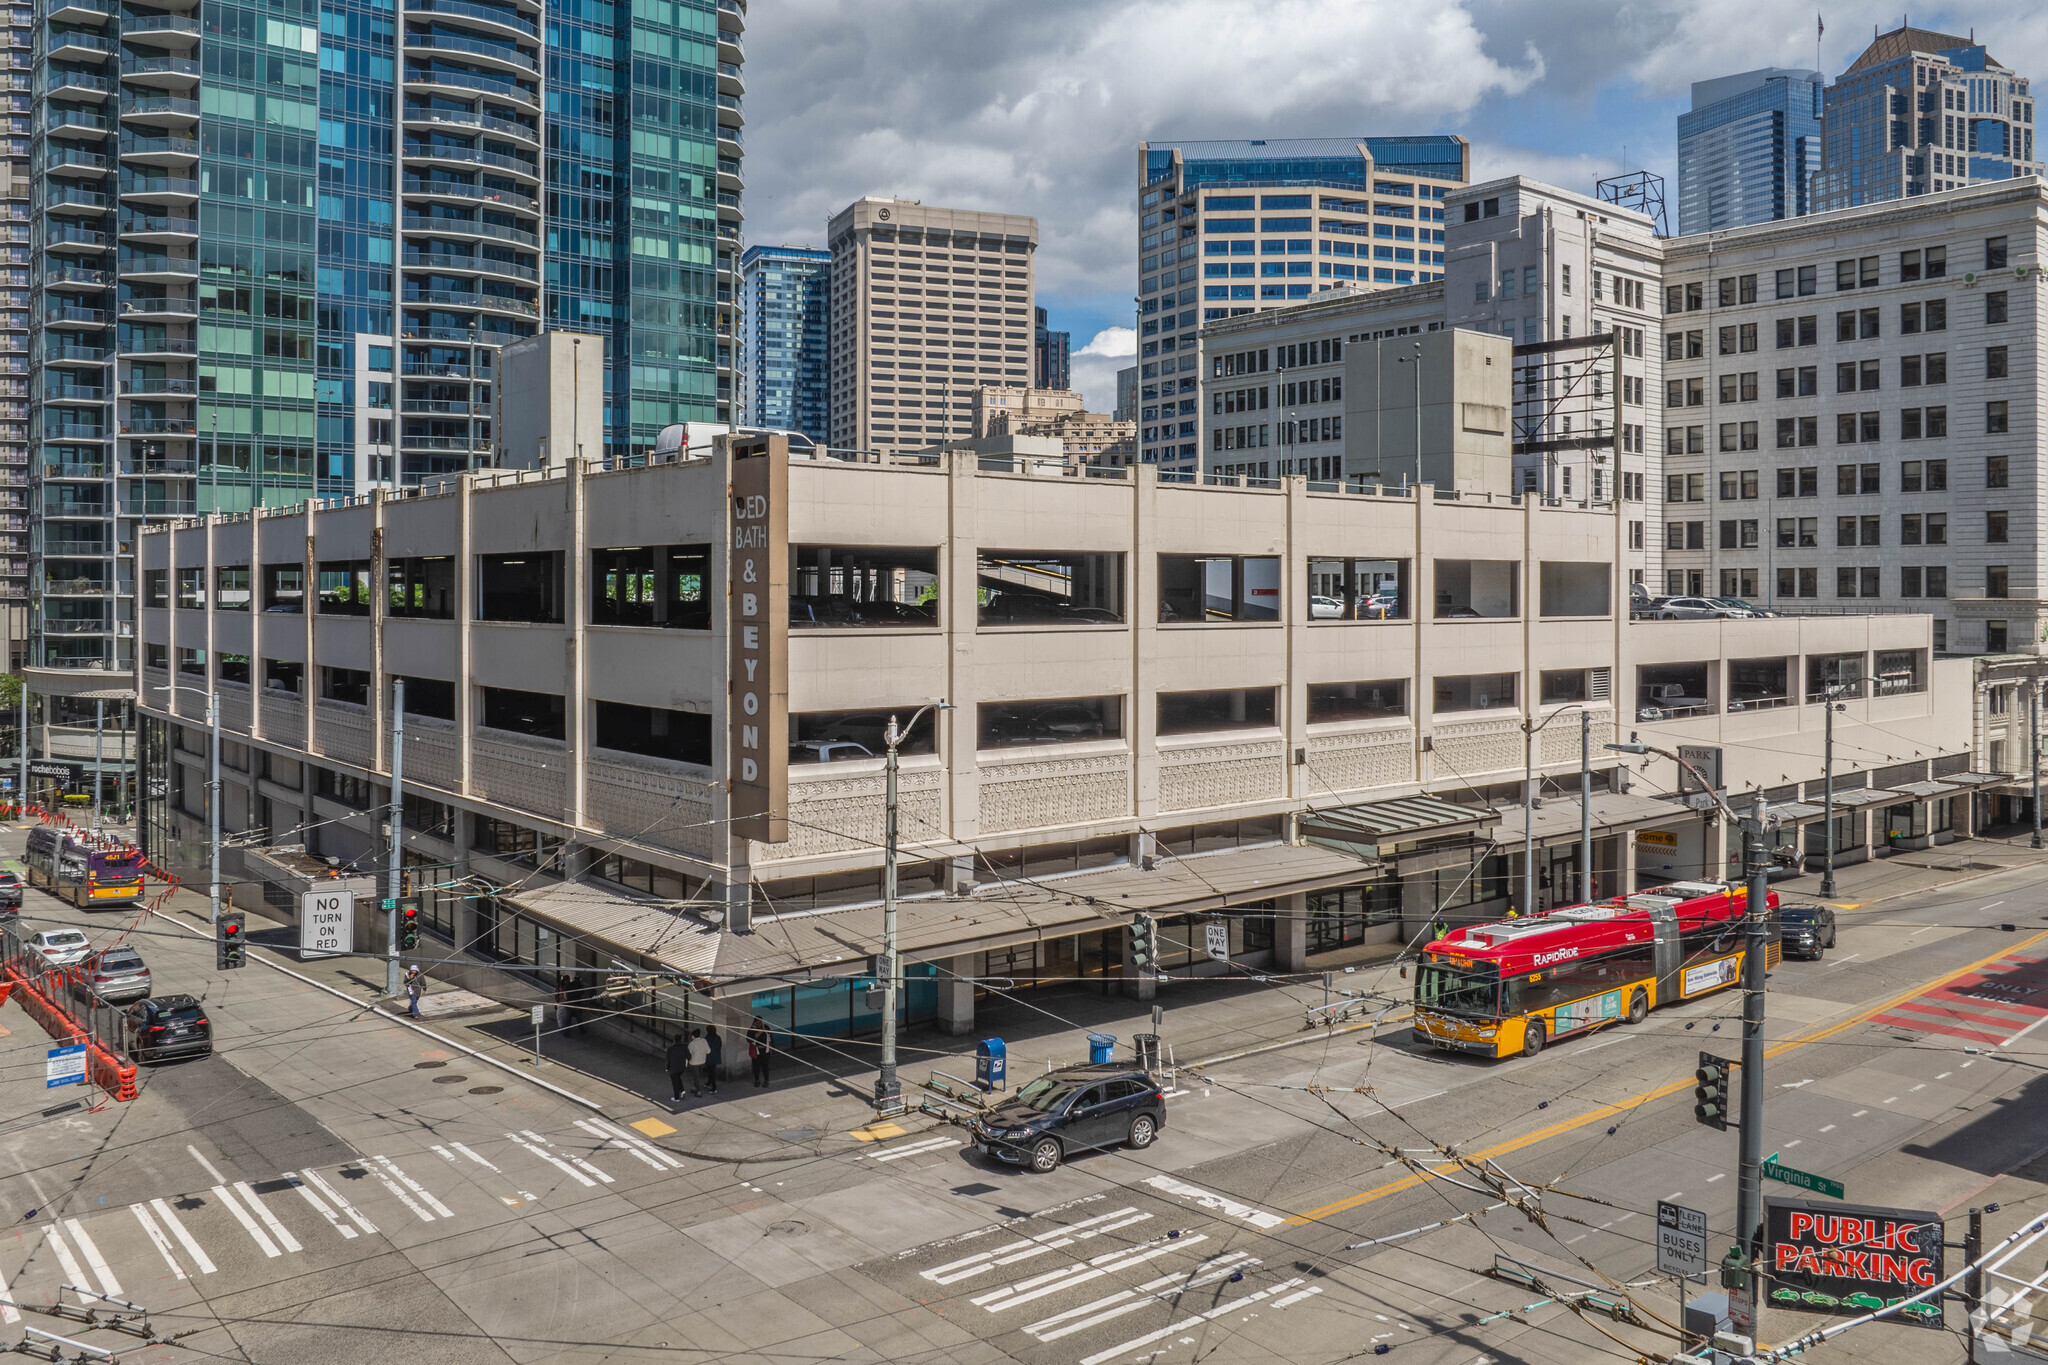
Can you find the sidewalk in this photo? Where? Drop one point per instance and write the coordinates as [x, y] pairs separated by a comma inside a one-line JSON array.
[[819, 1096]]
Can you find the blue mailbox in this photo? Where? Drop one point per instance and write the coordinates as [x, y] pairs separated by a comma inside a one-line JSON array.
[[991, 1064]]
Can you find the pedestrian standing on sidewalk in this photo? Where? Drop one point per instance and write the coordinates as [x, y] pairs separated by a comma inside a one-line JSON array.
[[562, 1000], [714, 1058], [758, 1048], [415, 987], [699, 1050], [678, 1064]]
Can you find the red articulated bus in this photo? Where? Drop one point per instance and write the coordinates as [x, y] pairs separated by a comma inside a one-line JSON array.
[[1508, 988]]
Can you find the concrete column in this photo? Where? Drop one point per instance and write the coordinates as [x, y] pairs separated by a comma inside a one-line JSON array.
[[1290, 933], [956, 995], [465, 908], [1626, 861], [1137, 985]]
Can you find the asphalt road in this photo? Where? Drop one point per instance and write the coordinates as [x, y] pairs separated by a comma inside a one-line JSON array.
[[333, 1186]]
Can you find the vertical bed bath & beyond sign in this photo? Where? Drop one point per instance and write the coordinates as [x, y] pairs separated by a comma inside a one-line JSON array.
[[757, 597]]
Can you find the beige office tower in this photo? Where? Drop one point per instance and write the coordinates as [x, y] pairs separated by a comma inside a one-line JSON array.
[[928, 306]]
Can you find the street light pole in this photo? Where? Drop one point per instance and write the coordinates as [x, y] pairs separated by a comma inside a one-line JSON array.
[[99, 730], [391, 981], [21, 781], [1756, 933], [888, 1089], [2034, 736], [1585, 805], [213, 809], [1827, 820]]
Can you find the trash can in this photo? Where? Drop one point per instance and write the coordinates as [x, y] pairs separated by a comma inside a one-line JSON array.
[[1101, 1047], [1146, 1045], [991, 1064]]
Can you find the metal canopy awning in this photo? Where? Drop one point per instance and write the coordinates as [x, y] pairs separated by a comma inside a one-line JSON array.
[[1926, 791], [1365, 828], [1613, 812], [1860, 797], [1982, 781], [1794, 812]]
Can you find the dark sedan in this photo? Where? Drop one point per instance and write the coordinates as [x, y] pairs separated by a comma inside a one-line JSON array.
[[1070, 1110], [1807, 930]]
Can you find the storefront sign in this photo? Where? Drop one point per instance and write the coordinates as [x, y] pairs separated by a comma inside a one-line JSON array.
[[757, 626], [1844, 1259], [1704, 759], [1660, 839]]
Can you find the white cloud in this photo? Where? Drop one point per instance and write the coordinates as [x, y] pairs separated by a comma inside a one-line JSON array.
[[1119, 343], [1095, 366]]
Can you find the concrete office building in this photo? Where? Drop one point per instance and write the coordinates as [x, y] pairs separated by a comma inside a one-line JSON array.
[[1227, 228], [1748, 148], [990, 404], [1052, 355], [786, 331], [1851, 417], [928, 305], [1920, 112], [1213, 704]]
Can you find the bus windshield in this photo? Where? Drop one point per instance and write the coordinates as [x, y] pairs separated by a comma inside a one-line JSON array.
[[1450, 990]]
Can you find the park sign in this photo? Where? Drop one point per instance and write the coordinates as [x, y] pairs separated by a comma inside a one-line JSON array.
[[1845, 1259]]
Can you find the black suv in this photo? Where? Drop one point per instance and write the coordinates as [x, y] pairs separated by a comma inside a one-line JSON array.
[[1806, 930], [1071, 1110], [165, 1026]]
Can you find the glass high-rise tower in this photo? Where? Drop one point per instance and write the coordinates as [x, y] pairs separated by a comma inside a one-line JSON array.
[[1747, 148], [785, 363], [277, 246]]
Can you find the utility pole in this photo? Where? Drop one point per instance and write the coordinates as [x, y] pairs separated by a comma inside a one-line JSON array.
[[1756, 933], [213, 809], [1585, 805], [1528, 818], [391, 982], [2034, 736], [1827, 819], [21, 781], [888, 1090], [99, 730]]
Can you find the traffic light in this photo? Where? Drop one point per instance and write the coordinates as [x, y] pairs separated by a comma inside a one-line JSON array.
[[1710, 1092], [1144, 948], [408, 925], [227, 942]]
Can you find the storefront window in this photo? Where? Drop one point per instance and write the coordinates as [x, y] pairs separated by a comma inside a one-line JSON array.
[[1339, 917]]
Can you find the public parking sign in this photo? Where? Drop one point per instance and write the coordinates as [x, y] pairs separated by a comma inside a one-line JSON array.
[[326, 923], [1845, 1259], [1681, 1241]]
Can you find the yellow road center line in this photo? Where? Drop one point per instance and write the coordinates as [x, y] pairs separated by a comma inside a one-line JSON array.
[[1637, 1101]]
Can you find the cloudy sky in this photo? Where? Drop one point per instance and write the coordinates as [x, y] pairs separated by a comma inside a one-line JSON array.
[[1037, 106]]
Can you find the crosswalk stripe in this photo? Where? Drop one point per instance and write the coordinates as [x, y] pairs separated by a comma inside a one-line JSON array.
[[262, 1239], [474, 1157], [1185, 1323], [572, 1156], [109, 1286], [605, 1138], [918, 1149], [313, 1177], [436, 1205], [192, 1248], [157, 1238], [9, 1314], [399, 1193], [73, 1276], [660, 1154], [564, 1167], [277, 1229], [205, 1165], [1057, 1281], [1116, 1305], [967, 1266], [333, 1219], [1298, 1295]]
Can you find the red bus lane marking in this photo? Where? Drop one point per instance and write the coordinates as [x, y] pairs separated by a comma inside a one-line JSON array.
[[1996, 1005]]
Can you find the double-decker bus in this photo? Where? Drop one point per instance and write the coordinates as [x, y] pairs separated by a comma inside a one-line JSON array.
[[85, 872], [1507, 988]]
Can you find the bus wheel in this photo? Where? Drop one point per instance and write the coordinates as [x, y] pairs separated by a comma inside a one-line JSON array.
[[1638, 1008], [1532, 1038]]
